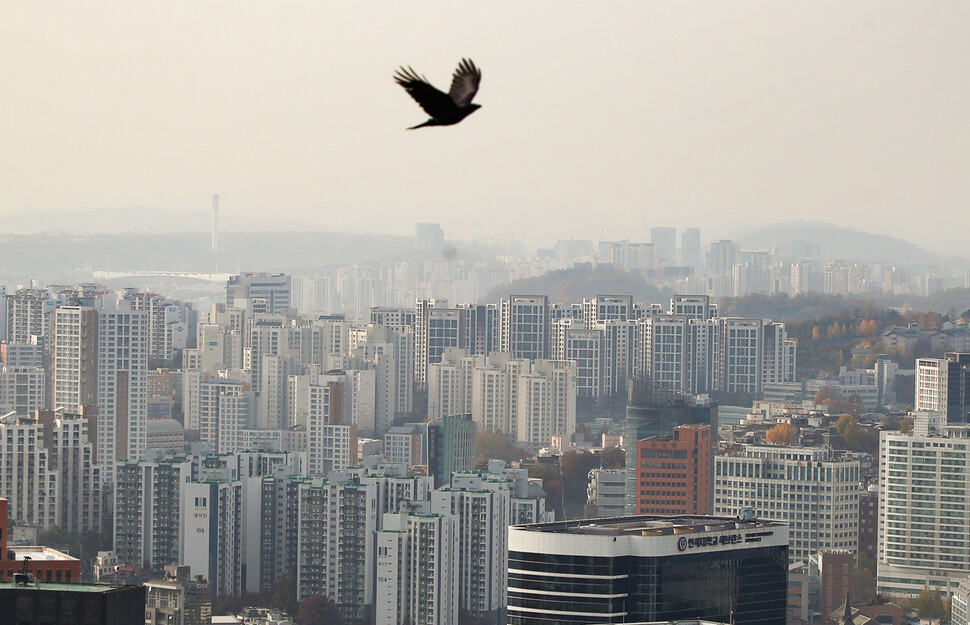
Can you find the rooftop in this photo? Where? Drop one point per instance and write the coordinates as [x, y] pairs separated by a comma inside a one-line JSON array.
[[38, 553], [52, 586], [649, 525]]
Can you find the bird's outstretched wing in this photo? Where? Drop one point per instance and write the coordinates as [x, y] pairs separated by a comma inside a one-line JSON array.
[[464, 84], [434, 102]]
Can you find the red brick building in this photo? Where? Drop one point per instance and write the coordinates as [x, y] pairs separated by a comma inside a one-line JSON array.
[[674, 472], [46, 564]]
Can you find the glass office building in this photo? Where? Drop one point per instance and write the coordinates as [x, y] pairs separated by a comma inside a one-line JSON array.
[[648, 568]]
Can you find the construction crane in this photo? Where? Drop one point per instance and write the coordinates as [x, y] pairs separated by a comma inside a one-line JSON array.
[[22, 578]]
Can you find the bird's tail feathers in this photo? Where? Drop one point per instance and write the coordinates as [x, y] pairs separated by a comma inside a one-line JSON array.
[[427, 123]]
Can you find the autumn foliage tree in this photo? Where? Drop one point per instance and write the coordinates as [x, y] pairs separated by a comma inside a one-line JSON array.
[[782, 434]]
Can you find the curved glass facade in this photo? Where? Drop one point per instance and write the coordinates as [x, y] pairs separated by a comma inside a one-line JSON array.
[[743, 586]]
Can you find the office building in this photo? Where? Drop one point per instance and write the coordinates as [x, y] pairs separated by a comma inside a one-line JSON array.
[[815, 490], [451, 447], [690, 248], [69, 604], [674, 472], [648, 568], [654, 413], [835, 573], [722, 257], [259, 292], [665, 244], [429, 237], [606, 492]]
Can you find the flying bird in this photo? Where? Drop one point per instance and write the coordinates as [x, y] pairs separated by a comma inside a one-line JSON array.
[[445, 109]]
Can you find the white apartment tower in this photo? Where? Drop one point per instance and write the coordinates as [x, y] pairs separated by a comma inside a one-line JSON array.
[[122, 385], [27, 480], [924, 509], [740, 355], [74, 375], [72, 456], [22, 389], [525, 331], [546, 403]]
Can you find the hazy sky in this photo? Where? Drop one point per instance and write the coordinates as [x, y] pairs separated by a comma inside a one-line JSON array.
[[597, 116]]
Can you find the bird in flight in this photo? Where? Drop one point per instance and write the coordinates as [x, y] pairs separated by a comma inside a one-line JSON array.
[[445, 109]]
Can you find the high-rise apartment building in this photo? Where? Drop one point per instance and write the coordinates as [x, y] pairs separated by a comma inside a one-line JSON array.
[[436, 328], [924, 509], [28, 314], [740, 355], [22, 389], [74, 375], [122, 393], [27, 480], [148, 512], [546, 403], [814, 490], [212, 533], [574, 340], [943, 385], [72, 457], [525, 326]]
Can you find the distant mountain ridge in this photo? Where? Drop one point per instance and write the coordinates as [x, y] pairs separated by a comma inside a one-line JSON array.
[[840, 243]]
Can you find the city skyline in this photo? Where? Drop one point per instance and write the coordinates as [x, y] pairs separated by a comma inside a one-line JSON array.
[[834, 110]]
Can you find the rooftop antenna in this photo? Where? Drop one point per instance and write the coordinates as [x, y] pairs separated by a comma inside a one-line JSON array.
[[215, 222]]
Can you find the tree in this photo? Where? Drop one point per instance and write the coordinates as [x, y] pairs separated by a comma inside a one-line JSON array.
[[613, 458], [782, 434], [849, 429], [575, 467], [284, 595], [318, 610], [816, 334], [929, 604], [864, 579], [492, 444]]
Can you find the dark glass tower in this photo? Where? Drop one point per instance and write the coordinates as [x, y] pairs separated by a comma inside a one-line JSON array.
[[647, 569]]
